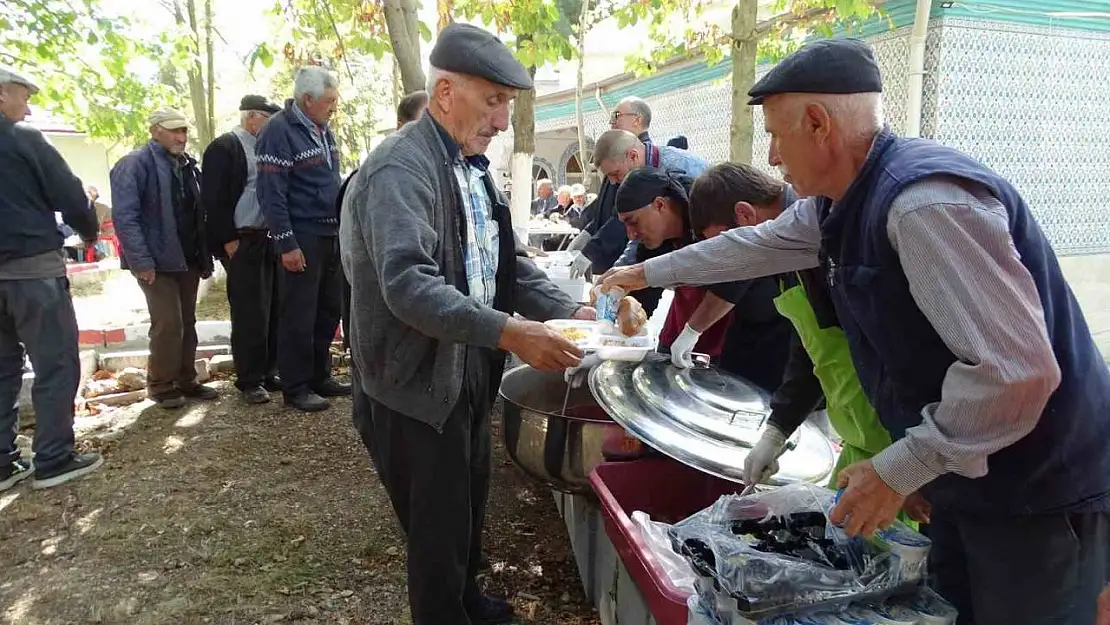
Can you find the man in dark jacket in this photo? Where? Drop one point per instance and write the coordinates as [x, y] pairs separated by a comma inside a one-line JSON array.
[[437, 277], [298, 181], [238, 236], [160, 226], [36, 312]]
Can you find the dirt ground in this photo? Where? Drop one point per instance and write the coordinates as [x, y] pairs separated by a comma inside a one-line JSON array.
[[228, 514]]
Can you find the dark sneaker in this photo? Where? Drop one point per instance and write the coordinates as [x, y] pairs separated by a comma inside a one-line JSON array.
[[490, 611], [77, 466], [483, 563], [13, 474], [272, 384], [256, 395], [170, 401], [333, 388], [200, 391], [308, 402]]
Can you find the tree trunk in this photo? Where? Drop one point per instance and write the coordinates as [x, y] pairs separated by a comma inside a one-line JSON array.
[[446, 9], [745, 41], [210, 74], [583, 163], [404, 35], [520, 166], [195, 72]]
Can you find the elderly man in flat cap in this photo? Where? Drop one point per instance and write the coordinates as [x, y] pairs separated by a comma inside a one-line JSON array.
[[238, 236], [160, 226], [36, 312], [966, 337], [436, 277]]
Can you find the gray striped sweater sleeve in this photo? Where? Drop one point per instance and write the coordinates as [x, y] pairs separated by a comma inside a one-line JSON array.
[[967, 278], [789, 242]]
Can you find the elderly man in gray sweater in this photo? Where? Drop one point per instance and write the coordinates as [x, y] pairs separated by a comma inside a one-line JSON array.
[[436, 278]]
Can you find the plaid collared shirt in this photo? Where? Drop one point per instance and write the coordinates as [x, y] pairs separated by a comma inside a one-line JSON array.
[[481, 232]]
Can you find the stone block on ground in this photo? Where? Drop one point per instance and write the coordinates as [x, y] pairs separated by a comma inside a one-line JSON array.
[[131, 379], [120, 399], [201, 366], [118, 361], [221, 363], [210, 351]]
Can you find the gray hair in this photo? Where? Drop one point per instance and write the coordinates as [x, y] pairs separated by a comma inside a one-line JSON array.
[[313, 81], [860, 115], [436, 74], [564, 189], [544, 182], [638, 106], [614, 144]]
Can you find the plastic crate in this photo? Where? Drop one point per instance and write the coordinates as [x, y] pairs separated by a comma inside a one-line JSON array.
[[667, 491]]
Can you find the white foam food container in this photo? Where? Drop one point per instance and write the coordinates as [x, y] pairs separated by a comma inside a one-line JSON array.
[[604, 339]]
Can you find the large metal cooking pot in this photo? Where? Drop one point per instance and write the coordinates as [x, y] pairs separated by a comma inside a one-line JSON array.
[[558, 450], [705, 418]]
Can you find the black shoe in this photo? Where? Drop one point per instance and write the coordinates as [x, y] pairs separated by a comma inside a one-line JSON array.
[[256, 395], [308, 402], [200, 391], [483, 563], [170, 400], [491, 611], [13, 474], [333, 388], [77, 466], [272, 383]]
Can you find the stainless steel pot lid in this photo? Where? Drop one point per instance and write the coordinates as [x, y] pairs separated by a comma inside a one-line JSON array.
[[705, 418]]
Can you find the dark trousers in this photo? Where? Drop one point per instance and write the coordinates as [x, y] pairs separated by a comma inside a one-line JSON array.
[[311, 304], [172, 304], [38, 315], [438, 483], [346, 311], [252, 292], [1032, 570]]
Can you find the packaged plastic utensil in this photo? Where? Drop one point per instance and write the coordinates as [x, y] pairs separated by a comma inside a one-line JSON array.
[[607, 304]]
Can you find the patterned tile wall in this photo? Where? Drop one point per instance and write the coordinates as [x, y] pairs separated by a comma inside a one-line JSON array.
[[1031, 104]]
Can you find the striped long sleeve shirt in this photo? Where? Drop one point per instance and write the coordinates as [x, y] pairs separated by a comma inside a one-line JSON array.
[[967, 278]]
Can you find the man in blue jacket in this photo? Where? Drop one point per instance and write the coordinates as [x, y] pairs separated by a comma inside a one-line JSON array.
[[298, 181], [966, 337], [160, 227], [36, 311]]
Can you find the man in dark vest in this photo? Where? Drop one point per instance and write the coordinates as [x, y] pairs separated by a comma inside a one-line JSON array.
[[967, 340], [238, 236]]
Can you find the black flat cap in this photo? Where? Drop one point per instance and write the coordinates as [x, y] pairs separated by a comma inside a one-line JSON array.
[[827, 66], [641, 186], [258, 103], [470, 50]]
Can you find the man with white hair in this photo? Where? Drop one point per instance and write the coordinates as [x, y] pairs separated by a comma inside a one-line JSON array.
[[298, 181], [632, 114], [436, 279], [238, 236], [966, 337], [545, 200], [36, 312]]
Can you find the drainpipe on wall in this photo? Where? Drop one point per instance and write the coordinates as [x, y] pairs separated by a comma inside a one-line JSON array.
[[915, 81]]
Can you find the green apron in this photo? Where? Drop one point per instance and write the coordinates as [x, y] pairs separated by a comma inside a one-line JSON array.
[[850, 411]]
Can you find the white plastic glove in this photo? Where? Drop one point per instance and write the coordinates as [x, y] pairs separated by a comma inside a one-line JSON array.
[[575, 376], [683, 347], [579, 241], [579, 266], [762, 461]]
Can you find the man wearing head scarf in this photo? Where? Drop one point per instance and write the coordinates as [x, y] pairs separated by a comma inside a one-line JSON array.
[[965, 335], [436, 276]]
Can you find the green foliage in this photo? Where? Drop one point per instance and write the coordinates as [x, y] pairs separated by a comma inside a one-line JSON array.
[[88, 64], [794, 21], [537, 29]]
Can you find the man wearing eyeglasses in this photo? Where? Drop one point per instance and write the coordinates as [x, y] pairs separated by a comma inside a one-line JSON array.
[[240, 239]]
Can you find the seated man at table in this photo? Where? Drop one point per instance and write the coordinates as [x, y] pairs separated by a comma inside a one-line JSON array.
[[734, 323]]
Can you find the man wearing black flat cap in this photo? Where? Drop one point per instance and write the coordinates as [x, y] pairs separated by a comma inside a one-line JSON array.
[[436, 275], [239, 238], [967, 340]]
